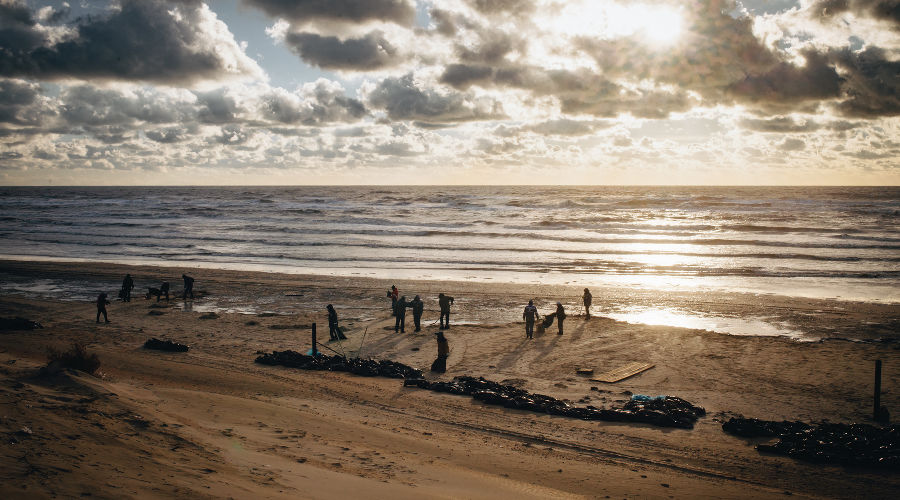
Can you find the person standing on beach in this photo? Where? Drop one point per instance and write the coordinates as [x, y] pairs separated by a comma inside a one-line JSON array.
[[587, 298], [101, 307], [529, 315], [560, 317], [163, 289], [417, 307], [334, 331], [444, 302], [127, 286], [400, 312], [188, 286], [440, 364], [394, 294]]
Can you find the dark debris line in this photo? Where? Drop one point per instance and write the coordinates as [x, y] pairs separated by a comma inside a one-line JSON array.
[[668, 412], [840, 444]]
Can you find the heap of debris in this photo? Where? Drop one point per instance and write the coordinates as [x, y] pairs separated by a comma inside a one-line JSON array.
[[364, 367], [841, 444], [165, 345], [18, 323], [664, 411], [667, 411]]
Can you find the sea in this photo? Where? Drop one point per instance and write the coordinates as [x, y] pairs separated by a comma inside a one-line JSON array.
[[813, 242]]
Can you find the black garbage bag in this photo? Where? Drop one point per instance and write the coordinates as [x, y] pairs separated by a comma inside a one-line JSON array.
[[165, 345], [840, 444]]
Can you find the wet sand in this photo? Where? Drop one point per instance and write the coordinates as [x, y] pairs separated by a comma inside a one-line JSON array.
[[212, 423]]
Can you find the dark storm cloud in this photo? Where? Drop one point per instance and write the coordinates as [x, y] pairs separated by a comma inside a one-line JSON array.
[[17, 103], [140, 41], [871, 83], [784, 82], [888, 10], [404, 99], [370, 52], [398, 11]]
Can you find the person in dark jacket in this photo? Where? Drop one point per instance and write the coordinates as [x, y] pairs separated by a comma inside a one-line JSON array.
[[560, 316], [334, 331], [440, 364], [400, 313], [163, 290], [529, 315], [127, 286], [101, 307], [417, 307], [394, 294], [188, 286], [587, 298], [444, 302]]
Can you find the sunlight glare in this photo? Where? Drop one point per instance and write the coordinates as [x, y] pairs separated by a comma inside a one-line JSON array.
[[657, 25]]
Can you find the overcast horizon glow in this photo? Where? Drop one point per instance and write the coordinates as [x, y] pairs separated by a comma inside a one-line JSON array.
[[592, 92]]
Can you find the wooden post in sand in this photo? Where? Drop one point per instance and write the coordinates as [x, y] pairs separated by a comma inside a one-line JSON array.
[[315, 352], [877, 389]]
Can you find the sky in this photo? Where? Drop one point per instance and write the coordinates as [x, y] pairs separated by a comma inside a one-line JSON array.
[[297, 92]]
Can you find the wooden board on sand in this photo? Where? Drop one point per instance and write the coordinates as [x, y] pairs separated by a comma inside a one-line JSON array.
[[623, 372]]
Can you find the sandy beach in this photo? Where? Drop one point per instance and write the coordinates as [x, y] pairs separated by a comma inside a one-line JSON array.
[[212, 423]]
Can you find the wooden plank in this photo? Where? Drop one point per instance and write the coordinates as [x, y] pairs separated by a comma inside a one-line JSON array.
[[584, 371], [623, 372]]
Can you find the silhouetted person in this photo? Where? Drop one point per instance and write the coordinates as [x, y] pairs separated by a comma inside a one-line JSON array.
[[560, 317], [587, 298], [188, 286], [334, 331], [163, 290], [400, 313], [529, 315], [417, 307], [440, 364], [101, 307], [127, 286], [394, 294], [444, 302]]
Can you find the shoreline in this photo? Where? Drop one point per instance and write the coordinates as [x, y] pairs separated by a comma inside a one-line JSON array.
[[213, 418], [800, 288], [729, 313]]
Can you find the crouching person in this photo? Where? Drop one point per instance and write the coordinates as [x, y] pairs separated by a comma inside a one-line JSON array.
[[440, 364]]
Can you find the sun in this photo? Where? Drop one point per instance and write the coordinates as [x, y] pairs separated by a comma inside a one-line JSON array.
[[652, 24]]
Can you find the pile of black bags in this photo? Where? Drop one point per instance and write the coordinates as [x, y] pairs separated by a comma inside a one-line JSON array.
[[18, 323], [839, 444], [364, 367], [666, 412], [165, 345]]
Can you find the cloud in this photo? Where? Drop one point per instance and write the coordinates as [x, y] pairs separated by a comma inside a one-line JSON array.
[[143, 40], [888, 10], [398, 11], [779, 124], [520, 7], [315, 103], [370, 52], [871, 83], [405, 99], [21, 103]]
